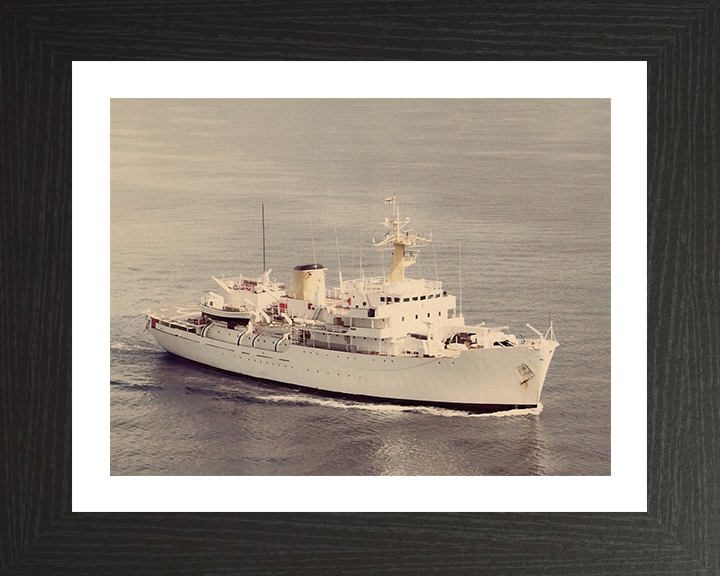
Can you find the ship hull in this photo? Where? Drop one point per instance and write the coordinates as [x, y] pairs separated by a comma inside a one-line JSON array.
[[488, 379]]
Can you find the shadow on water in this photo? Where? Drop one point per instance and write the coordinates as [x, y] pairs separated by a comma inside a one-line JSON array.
[[134, 386]]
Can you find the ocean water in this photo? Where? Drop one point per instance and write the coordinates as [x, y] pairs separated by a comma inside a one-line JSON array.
[[516, 195]]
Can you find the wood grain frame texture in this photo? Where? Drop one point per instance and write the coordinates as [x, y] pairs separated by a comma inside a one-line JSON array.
[[681, 530]]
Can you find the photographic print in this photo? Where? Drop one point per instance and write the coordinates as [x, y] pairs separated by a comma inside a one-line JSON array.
[[360, 287]]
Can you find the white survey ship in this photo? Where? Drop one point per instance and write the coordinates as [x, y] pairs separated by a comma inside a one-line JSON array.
[[387, 338]]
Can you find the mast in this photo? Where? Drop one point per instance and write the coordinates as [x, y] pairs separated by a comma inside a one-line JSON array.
[[337, 249], [263, 226], [460, 268], [397, 268], [399, 240]]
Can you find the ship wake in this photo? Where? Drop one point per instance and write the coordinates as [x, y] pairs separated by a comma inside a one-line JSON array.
[[300, 398]]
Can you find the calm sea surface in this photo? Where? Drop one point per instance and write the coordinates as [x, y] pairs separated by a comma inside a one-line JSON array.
[[521, 188]]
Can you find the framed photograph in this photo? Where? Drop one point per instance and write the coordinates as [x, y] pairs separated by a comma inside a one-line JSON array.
[[477, 212], [625, 491]]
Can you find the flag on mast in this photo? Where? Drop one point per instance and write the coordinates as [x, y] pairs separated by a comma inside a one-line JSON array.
[[390, 200]]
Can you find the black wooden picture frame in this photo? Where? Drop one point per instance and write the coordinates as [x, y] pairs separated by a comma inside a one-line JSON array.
[[681, 530]]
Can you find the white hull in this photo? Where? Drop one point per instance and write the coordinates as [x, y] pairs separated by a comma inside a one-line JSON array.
[[478, 377]]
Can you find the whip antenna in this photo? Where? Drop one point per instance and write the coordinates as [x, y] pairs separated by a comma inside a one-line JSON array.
[[361, 243], [337, 249], [263, 226], [460, 265], [312, 237]]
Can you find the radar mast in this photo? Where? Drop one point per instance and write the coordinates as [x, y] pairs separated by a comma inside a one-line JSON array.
[[399, 240]]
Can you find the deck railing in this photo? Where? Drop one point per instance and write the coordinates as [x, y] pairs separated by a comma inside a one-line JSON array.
[[374, 284]]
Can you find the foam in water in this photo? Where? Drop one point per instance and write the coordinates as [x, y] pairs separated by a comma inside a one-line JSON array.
[[382, 408], [135, 346]]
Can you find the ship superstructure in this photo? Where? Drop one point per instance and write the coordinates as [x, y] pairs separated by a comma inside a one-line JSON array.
[[389, 338]]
